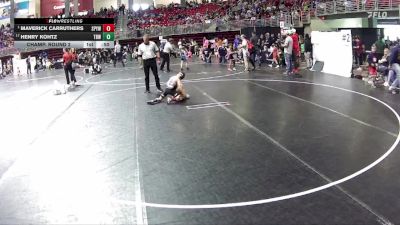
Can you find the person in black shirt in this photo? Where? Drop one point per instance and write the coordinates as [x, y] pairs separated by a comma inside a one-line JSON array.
[[207, 54], [222, 51], [267, 36], [308, 51], [253, 51], [28, 66]]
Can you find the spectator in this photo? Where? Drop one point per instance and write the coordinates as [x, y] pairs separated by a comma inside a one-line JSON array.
[[383, 65], [236, 42], [245, 52], [67, 61], [275, 56], [372, 61], [296, 51], [225, 42], [118, 54], [222, 52], [74, 62], [308, 51], [28, 67], [380, 46], [395, 66], [184, 57], [81, 58], [268, 40], [207, 54], [254, 42], [358, 51], [206, 43], [231, 58], [288, 51], [166, 55]]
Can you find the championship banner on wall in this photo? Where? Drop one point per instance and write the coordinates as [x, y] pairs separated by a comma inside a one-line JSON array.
[[50, 8]]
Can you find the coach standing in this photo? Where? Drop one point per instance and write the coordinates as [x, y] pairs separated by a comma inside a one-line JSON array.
[[67, 60], [150, 52]]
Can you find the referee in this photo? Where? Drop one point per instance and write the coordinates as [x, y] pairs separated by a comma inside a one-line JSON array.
[[149, 52], [118, 54]]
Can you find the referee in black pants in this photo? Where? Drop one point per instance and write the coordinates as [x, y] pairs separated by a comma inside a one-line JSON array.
[[150, 52], [168, 49]]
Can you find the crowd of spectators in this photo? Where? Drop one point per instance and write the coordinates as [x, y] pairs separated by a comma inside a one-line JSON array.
[[381, 63], [193, 12], [263, 49], [174, 15], [102, 13], [4, 1], [6, 68], [260, 9], [6, 36]]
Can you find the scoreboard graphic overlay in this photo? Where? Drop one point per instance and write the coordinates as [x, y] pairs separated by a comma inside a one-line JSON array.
[[64, 33]]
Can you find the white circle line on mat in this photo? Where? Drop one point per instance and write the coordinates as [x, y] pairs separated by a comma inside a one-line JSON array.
[[298, 194]]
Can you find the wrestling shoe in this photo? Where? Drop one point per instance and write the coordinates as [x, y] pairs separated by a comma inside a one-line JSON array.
[[147, 92], [153, 102], [160, 91]]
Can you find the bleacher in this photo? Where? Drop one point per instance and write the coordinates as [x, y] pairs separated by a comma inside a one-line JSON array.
[[173, 16]]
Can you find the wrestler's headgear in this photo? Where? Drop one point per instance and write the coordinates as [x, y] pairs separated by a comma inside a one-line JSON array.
[[181, 75]]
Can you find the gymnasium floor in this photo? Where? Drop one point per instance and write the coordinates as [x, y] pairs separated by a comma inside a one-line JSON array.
[[247, 148]]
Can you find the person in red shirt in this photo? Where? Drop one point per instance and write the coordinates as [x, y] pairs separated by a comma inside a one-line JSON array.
[[74, 59], [275, 55], [69, 57], [358, 50], [67, 60], [296, 51]]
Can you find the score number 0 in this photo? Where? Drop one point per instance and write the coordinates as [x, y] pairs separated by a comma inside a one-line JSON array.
[[108, 27]]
